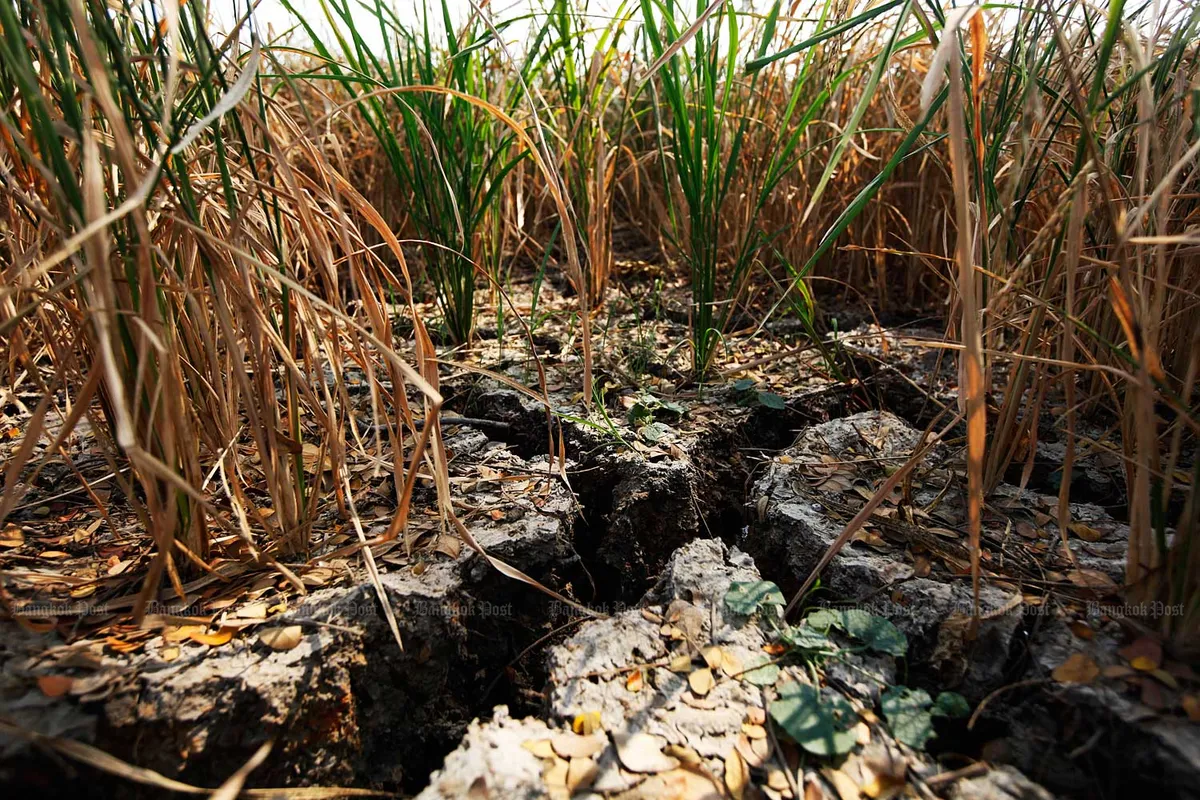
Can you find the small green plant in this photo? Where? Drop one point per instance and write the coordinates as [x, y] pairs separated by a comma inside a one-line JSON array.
[[748, 395], [821, 720]]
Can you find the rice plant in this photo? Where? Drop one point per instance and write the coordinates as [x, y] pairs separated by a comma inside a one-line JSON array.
[[449, 156], [706, 113]]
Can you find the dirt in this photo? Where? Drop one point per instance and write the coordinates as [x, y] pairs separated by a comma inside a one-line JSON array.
[[726, 480]]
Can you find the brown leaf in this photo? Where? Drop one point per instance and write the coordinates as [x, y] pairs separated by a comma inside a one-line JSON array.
[[1153, 696], [845, 786], [1085, 532], [1079, 668], [12, 536], [753, 731], [635, 681], [1191, 706], [1117, 671], [755, 751], [680, 663], [1081, 630], [1143, 654], [55, 685], [1092, 579]]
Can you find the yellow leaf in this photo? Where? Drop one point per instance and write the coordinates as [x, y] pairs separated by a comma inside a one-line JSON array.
[[12, 536], [737, 775], [217, 639], [635, 681], [712, 656], [731, 665], [586, 723], [701, 681]]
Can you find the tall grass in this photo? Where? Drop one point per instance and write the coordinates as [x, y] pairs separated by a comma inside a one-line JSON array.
[[177, 254]]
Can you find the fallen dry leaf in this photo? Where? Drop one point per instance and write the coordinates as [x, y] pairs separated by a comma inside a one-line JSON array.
[[1081, 630], [641, 752], [572, 745], [731, 665], [635, 681], [701, 681], [1118, 671], [737, 775], [539, 747], [754, 731], [586, 723], [1191, 706], [682, 663], [755, 751], [1085, 532], [215, 639], [1153, 696], [685, 753], [680, 784], [1079, 668], [556, 773], [581, 773], [1143, 654], [256, 610], [845, 786], [712, 656], [283, 638], [1092, 579], [55, 685]]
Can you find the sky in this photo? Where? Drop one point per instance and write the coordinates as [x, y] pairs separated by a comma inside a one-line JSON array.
[[273, 17]]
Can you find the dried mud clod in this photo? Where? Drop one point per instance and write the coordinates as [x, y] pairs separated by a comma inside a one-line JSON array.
[[343, 705], [656, 702]]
